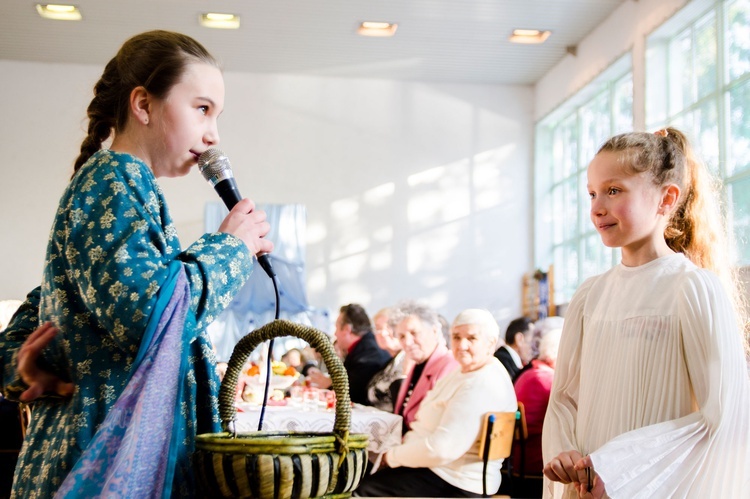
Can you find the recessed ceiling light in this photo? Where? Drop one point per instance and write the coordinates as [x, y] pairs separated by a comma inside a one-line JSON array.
[[529, 36], [59, 12], [220, 21], [376, 28]]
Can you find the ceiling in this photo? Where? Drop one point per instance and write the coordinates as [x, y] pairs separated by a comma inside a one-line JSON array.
[[456, 41]]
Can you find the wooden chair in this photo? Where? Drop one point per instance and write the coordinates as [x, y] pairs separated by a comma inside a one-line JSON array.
[[520, 434], [495, 439], [525, 483]]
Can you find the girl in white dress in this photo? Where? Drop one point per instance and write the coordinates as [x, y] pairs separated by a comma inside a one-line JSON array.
[[651, 396]]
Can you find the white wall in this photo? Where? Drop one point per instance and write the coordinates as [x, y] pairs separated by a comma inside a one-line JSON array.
[[413, 190]]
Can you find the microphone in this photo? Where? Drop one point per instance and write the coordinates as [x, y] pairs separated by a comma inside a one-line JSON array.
[[215, 167]]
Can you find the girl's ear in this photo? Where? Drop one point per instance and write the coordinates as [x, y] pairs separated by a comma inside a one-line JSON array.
[[669, 197], [140, 104]]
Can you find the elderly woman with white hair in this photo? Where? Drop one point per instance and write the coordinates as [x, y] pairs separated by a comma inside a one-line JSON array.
[[439, 456]]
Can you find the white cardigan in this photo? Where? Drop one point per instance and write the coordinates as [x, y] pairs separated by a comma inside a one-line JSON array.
[[445, 434]]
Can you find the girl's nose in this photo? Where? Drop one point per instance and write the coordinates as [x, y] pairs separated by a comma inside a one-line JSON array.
[[597, 207], [212, 135]]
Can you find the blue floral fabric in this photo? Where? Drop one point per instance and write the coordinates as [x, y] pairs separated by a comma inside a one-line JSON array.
[[110, 252]]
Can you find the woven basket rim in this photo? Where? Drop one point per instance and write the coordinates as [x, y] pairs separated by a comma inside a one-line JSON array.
[[278, 443], [276, 436]]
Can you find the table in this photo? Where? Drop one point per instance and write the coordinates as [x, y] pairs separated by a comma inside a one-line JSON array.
[[383, 427]]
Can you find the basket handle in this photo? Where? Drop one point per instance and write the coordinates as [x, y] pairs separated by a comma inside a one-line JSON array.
[[278, 328]]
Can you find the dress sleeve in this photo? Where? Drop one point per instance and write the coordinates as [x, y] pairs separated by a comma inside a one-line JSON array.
[[113, 238], [704, 454], [558, 432], [217, 266], [559, 428]]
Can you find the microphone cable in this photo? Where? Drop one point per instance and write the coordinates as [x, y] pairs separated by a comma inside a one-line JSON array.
[[264, 262], [215, 168]]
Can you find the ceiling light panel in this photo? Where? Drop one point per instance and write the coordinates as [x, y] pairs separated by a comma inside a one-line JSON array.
[[529, 36], [377, 28], [220, 21], [59, 12]]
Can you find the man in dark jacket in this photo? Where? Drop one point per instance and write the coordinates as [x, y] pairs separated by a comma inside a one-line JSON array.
[[516, 352], [363, 358]]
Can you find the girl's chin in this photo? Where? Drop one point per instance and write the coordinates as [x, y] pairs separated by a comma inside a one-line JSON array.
[[609, 244]]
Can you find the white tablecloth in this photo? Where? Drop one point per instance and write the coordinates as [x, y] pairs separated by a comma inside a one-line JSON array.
[[383, 427]]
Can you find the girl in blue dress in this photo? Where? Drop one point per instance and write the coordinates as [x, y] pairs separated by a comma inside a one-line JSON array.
[[111, 350]]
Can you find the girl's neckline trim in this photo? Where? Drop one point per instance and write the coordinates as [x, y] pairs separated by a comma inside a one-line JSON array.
[[653, 263]]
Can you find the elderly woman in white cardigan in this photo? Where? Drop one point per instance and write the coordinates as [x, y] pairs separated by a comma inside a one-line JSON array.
[[439, 456]]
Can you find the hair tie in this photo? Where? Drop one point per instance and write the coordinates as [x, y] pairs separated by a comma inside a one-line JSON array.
[[662, 133]]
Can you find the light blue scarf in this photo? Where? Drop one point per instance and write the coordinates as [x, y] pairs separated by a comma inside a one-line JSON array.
[[136, 449]]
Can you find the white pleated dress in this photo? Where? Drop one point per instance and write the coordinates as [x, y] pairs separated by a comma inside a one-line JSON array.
[[652, 381]]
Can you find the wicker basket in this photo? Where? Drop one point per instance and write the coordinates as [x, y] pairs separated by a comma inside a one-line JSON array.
[[293, 465]]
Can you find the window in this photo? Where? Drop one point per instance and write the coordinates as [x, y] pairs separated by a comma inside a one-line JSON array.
[[566, 141], [698, 80]]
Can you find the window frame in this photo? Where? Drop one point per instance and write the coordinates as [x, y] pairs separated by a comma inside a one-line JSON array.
[[571, 248]]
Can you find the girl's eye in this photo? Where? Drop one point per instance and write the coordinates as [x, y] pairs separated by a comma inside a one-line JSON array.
[[203, 109], [592, 195], [613, 190]]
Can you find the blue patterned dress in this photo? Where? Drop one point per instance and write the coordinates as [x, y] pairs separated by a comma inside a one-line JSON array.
[[109, 254]]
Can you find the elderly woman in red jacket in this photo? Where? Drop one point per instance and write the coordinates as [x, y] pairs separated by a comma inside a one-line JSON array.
[[420, 333]]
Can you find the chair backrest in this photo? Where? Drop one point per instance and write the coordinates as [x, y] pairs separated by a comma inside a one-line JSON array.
[[522, 431], [520, 436], [500, 435]]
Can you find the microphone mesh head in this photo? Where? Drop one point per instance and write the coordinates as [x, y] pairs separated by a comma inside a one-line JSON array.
[[214, 166]]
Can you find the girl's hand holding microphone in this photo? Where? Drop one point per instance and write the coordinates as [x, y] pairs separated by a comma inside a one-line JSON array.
[[250, 225]]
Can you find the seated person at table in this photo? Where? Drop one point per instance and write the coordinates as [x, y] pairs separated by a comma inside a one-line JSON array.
[[293, 358], [539, 329], [516, 352], [418, 329], [439, 456], [384, 386], [311, 358], [533, 388], [363, 357]]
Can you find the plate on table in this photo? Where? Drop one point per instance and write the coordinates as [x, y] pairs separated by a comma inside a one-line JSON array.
[[255, 386], [278, 382]]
